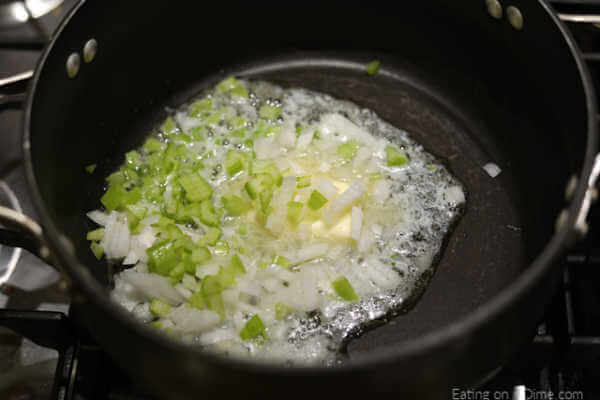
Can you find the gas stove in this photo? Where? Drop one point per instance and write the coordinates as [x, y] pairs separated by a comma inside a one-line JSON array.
[[61, 361]]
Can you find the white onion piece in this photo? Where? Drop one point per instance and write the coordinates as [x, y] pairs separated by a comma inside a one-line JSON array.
[[142, 312], [381, 191], [492, 169], [151, 219], [304, 230], [362, 155], [454, 195], [98, 217], [116, 238], [339, 206], [332, 123], [304, 139], [325, 187], [191, 320], [266, 148], [207, 269], [185, 292], [356, 225], [186, 122], [153, 286], [276, 220], [310, 252], [217, 335], [125, 294], [287, 137]]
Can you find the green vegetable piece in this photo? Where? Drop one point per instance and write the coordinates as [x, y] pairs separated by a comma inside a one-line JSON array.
[[263, 264], [133, 159], [375, 176], [344, 289], [159, 308], [235, 205], [294, 211], [197, 300], [282, 261], [221, 248], [236, 267], [267, 111], [97, 249], [252, 189], [282, 310], [348, 150], [138, 210], [265, 199], [169, 127], [215, 302], [253, 329], [117, 196], [211, 236], [233, 86], [90, 168], [207, 214], [199, 107], [431, 167], [196, 188], [96, 234], [395, 157], [302, 182], [200, 255], [373, 67], [211, 285], [162, 257], [233, 162], [153, 145], [316, 200], [226, 277], [177, 273]]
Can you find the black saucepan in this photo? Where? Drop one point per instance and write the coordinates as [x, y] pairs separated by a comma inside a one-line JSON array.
[[472, 82]]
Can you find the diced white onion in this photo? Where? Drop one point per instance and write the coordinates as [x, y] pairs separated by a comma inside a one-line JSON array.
[[492, 169], [266, 148], [153, 286], [287, 137], [343, 201], [186, 122], [191, 320], [325, 187], [116, 238], [305, 138], [276, 220], [98, 217], [357, 218], [381, 191], [332, 123], [455, 195], [310, 252]]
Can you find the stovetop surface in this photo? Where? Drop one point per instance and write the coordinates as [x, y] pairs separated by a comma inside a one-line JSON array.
[[564, 357]]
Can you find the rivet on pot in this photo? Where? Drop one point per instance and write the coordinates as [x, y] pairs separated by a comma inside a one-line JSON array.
[[571, 187], [89, 50], [494, 8], [515, 17], [73, 64]]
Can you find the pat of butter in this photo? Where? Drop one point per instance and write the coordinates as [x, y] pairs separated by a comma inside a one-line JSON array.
[[341, 186], [341, 230]]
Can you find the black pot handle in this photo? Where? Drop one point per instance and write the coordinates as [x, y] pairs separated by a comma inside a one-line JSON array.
[[21, 231]]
